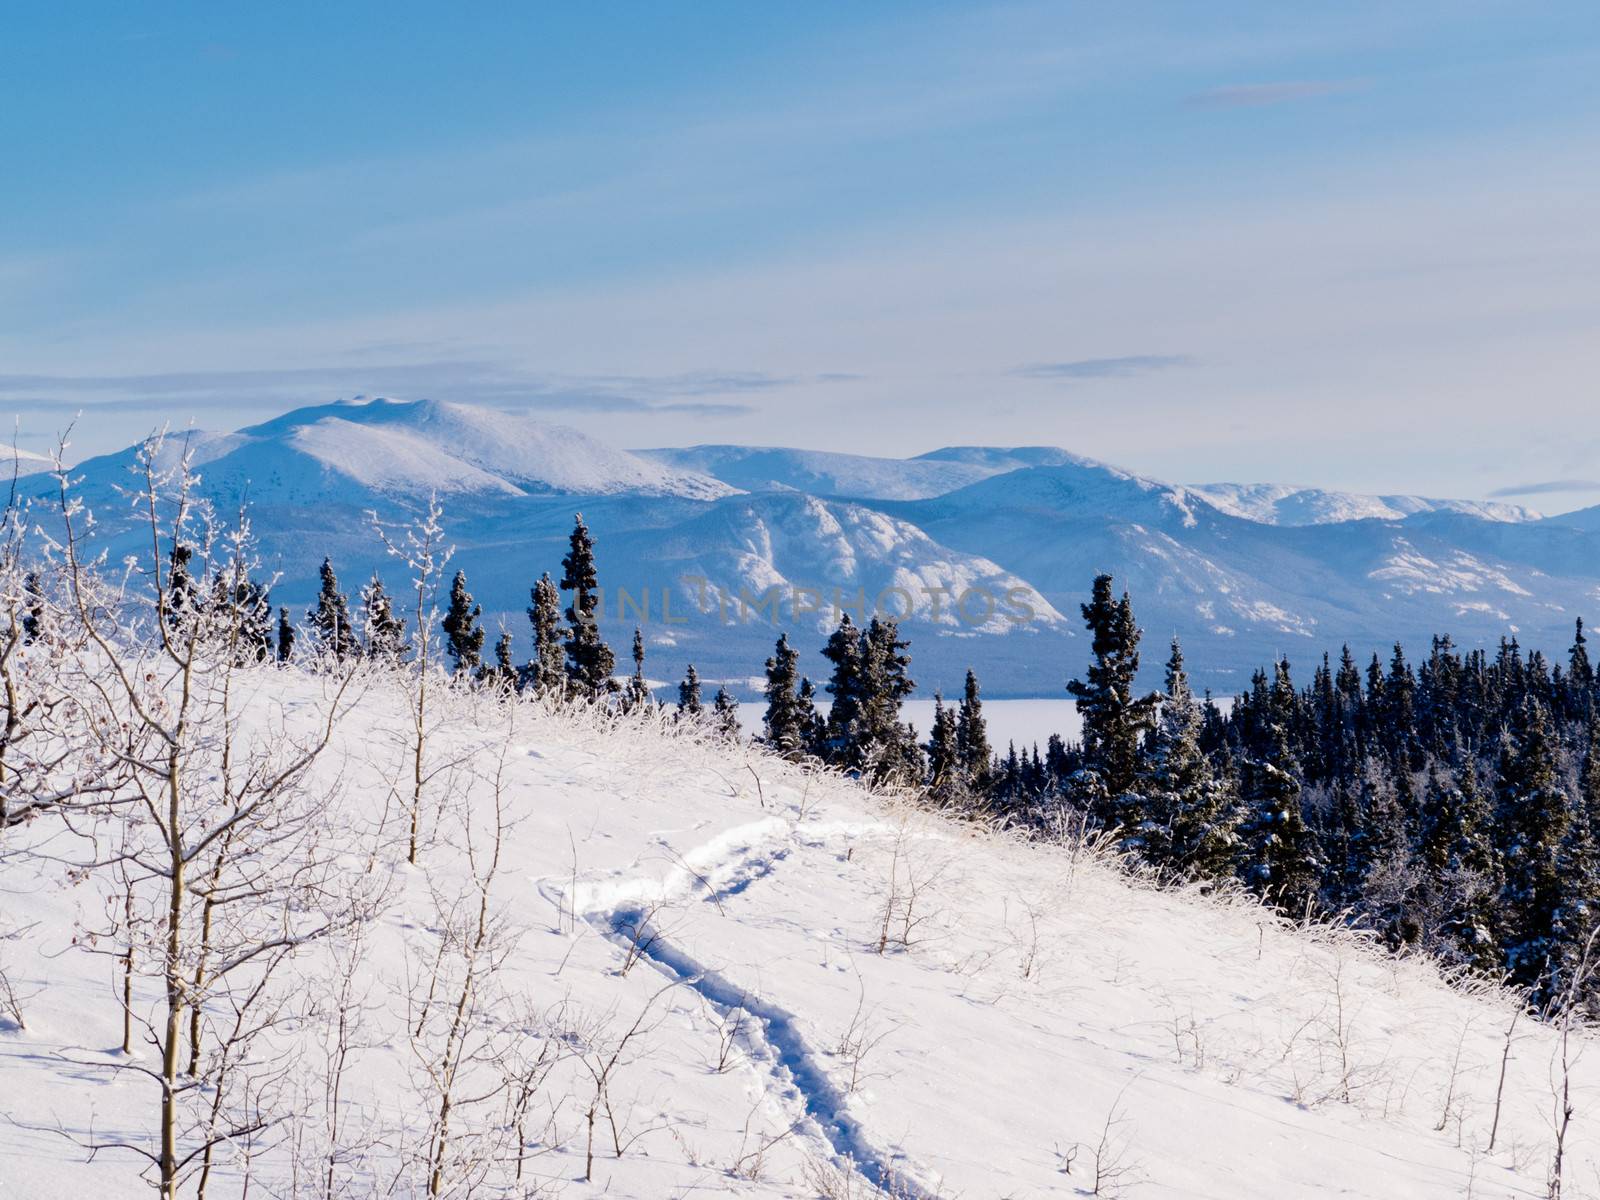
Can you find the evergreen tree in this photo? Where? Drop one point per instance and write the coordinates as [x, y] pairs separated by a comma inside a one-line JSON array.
[[546, 675], [1536, 817], [885, 748], [1580, 677], [245, 609], [463, 635], [385, 631], [285, 636], [725, 715], [1388, 887], [589, 660], [1115, 720], [787, 718], [946, 772], [34, 625], [1457, 851], [328, 621], [972, 738], [1279, 857], [638, 694], [840, 742], [1192, 815], [689, 695], [811, 722], [504, 672]]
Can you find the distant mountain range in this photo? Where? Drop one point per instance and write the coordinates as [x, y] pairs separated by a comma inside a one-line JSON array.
[[988, 550]]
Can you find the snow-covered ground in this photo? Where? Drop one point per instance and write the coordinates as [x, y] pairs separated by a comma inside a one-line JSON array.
[[791, 987]]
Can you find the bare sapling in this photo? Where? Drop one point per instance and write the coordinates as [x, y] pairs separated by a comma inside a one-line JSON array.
[[214, 831], [1500, 1084], [1568, 1050], [604, 1056], [421, 546], [457, 1045]]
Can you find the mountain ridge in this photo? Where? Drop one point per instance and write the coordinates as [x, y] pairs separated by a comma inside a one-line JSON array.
[[717, 528]]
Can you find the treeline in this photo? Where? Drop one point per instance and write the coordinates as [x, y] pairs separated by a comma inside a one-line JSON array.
[[1451, 805]]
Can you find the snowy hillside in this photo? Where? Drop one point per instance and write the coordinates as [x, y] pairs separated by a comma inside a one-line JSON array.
[[340, 452], [15, 461], [1278, 504], [720, 974], [857, 476]]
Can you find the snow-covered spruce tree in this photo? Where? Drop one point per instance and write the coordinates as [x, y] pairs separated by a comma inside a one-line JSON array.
[[947, 776], [285, 636], [1115, 720], [884, 748], [842, 733], [503, 672], [638, 695], [462, 633], [786, 723], [328, 624], [1278, 854], [546, 675], [1192, 815], [811, 720], [184, 598], [1535, 816], [1580, 705], [972, 738], [689, 703], [1388, 887], [725, 715], [589, 660], [32, 606], [244, 605], [1457, 852], [385, 632]]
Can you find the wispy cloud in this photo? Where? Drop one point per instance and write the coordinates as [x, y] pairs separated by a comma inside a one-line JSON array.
[[1105, 368], [1262, 95], [1548, 487], [692, 393]]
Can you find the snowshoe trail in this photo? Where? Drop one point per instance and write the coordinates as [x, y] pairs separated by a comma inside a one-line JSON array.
[[623, 910]]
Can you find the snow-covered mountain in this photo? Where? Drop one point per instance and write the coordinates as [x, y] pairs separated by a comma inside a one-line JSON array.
[[15, 461], [1279, 504], [821, 473], [747, 541], [856, 476], [410, 449], [701, 970], [1239, 592]]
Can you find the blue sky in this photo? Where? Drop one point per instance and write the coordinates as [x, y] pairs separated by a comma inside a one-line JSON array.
[[1349, 245]]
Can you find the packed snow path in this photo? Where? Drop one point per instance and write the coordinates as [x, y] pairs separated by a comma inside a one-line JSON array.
[[625, 910]]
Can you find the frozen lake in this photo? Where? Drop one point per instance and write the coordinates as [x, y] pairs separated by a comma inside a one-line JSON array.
[[1022, 721]]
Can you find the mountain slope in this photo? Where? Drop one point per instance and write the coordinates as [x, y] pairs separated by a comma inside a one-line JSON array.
[[856, 476], [410, 449], [828, 995], [15, 461], [1278, 504], [1240, 592]]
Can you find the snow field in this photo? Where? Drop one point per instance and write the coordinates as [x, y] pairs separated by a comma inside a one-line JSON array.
[[755, 979]]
